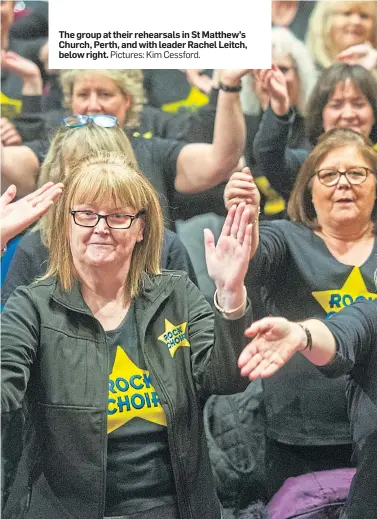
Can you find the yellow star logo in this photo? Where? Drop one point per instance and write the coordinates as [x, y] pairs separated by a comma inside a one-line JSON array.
[[353, 290], [195, 99], [131, 394], [174, 336]]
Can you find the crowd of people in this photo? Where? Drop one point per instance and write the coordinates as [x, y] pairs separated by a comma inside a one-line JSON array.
[[188, 277]]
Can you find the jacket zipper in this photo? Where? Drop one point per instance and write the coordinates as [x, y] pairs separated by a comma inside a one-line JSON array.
[[104, 438]]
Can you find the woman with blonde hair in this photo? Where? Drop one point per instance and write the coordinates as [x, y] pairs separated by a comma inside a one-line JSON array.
[[171, 165], [337, 29], [114, 357], [69, 147]]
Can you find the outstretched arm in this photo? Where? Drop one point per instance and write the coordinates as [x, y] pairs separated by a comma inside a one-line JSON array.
[[276, 340], [17, 216], [202, 166]]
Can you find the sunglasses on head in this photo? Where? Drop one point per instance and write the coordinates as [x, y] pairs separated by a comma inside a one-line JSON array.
[[77, 121]]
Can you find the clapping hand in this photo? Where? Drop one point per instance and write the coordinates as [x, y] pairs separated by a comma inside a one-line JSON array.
[[17, 216], [25, 69], [275, 341], [241, 188], [274, 82]]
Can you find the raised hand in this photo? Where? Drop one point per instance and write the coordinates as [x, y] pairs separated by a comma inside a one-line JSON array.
[[276, 340], [241, 188], [232, 77], [26, 69], [8, 133], [201, 81], [228, 260], [274, 82], [17, 216], [363, 54]]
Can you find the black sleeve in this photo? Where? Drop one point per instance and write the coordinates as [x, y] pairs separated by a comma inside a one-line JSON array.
[[163, 124], [215, 345], [355, 332], [34, 25], [270, 256], [39, 148], [200, 124], [30, 123], [166, 153], [19, 343], [175, 255], [274, 159], [29, 261]]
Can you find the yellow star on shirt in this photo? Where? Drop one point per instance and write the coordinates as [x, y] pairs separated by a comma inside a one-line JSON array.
[[131, 394], [195, 98], [354, 289], [174, 336]]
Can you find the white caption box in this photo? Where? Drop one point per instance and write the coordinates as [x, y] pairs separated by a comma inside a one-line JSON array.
[[93, 34]]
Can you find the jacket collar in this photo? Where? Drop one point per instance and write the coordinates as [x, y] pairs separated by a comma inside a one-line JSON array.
[[152, 288]]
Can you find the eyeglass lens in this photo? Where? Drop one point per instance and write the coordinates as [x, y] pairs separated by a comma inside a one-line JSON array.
[[355, 175], [103, 120], [115, 221]]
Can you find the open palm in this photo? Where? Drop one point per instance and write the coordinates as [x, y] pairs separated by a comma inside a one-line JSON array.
[[17, 216], [275, 341], [228, 260]]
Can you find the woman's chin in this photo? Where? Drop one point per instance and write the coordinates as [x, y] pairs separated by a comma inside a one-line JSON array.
[[99, 258]]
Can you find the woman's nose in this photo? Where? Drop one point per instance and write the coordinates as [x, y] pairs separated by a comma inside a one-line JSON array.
[[348, 111], [355, 18], [94, 104], [101, 226]]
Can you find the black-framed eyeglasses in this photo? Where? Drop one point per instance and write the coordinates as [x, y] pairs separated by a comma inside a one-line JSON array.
[[355, 175], [114, 221], [77, 121]]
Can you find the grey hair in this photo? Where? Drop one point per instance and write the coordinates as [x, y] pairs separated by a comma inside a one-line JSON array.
[[284, 43]]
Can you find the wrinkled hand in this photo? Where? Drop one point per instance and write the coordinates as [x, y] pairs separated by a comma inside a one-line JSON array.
[[363, 54], [241, 188], [8, 133], [274, 82], [276, 340], [17, 216], [228, 261], [23, 67], [201, 81]]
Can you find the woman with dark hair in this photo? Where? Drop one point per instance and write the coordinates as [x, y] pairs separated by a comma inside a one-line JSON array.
[[345, 96], [314, 265]]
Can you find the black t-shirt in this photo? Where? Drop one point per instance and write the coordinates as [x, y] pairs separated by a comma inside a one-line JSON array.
[[170, 90], [139, 471], [157, 159], [301, 279]]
